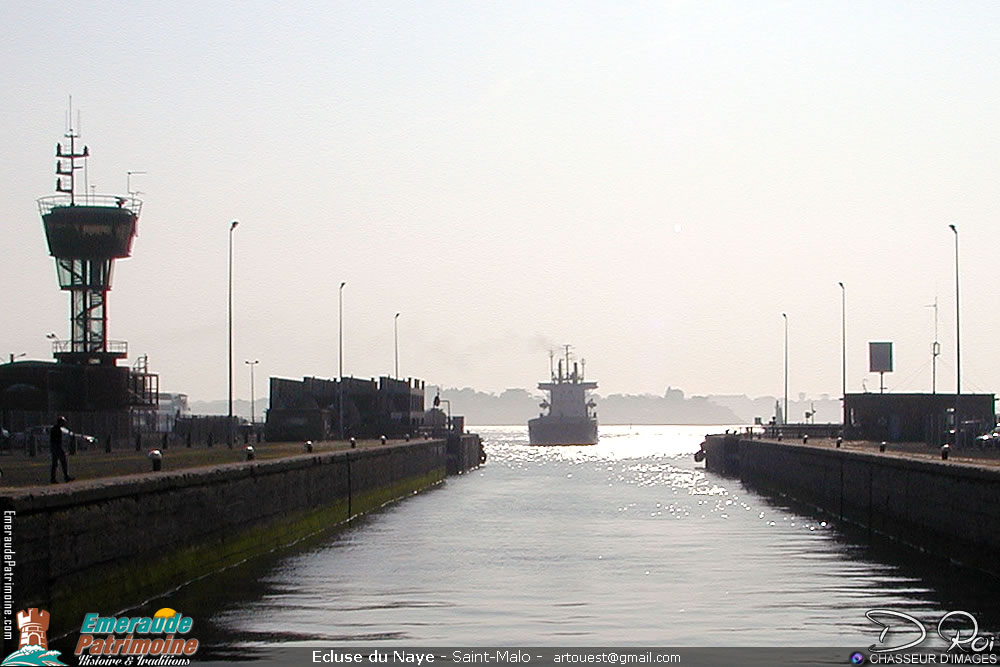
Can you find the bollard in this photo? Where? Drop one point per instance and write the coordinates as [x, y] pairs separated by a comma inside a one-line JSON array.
[[353, 443], [779, 436], [839, 441], [407, 437], [945, 449], [249, 451], [156, 456], [881, 446], [805, 439], [309, 445], [382, 439]]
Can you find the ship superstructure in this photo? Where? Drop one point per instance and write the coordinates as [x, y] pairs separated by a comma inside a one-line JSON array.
[[571, 418]]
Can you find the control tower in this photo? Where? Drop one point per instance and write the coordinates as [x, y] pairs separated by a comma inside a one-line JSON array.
[[86, 233]]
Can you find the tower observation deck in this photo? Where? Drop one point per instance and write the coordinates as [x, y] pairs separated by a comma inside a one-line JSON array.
[[86, 233]]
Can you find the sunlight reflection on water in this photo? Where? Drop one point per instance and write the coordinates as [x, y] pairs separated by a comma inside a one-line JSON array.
[[624, 541]]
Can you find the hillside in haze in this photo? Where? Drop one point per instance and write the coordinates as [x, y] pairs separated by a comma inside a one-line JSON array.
[[517, 406]]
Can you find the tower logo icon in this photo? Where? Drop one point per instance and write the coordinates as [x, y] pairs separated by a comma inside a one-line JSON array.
[[33, 647]]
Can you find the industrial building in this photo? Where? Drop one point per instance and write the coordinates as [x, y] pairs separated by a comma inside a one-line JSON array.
[[311, 408], [917, 417]]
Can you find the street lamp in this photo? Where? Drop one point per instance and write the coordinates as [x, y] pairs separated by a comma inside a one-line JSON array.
[[229, 428], [958, 341], [935, 347], [340, 358], [395, 332], [843, 351], [251, 364], [784, 417], [448, 423]]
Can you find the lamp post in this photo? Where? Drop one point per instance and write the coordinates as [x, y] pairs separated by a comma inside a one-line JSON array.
[[395, 335], [251, 364], [935, 347], [340, 359], [229, 427], [843, 351], [448, 423], [958, 342], [784, 417]]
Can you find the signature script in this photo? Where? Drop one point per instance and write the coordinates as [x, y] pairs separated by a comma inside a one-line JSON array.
[[959, 628]]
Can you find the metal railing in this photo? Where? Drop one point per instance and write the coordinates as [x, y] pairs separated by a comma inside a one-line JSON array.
[[49, 202], [113, 346]]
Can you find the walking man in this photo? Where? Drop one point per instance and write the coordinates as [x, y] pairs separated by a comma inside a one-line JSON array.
[[57, 434]]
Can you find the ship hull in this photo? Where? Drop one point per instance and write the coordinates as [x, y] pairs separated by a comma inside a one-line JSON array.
[[564, 431]]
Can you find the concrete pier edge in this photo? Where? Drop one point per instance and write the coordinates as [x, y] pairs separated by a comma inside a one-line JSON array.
[[948, 509], [91, 546]]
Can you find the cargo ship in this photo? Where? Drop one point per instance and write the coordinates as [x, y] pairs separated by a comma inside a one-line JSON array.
[[571, 417]]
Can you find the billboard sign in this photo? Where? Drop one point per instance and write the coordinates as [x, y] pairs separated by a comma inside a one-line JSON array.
[[880, 357]]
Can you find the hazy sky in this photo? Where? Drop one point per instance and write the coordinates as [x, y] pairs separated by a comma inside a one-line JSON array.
[[652, 182]]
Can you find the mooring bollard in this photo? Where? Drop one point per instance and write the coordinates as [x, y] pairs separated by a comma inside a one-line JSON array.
[[156, 456], [779, 436], [407, 437], [353, 443], [249, 451], [945, 449], [382, 439], [881, 446], [309, 446], [805, 439], [840, 440]]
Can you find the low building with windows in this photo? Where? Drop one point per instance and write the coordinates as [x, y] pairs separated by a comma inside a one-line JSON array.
[[321, 409], [926, 418]]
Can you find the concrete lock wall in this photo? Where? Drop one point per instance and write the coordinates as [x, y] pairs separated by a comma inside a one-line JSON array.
[[89, 546], [946, 508]]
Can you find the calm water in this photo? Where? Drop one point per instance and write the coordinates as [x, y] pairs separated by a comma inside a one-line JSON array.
[[627, 541]]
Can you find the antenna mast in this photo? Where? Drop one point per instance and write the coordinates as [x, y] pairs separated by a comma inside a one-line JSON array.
[[72, 156]]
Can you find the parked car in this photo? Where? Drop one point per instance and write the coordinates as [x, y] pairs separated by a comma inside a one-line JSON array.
[[991, 439], [39, 433]]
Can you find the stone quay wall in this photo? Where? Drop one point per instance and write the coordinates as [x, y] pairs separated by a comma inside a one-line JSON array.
[[96, 545], [947, 508]]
